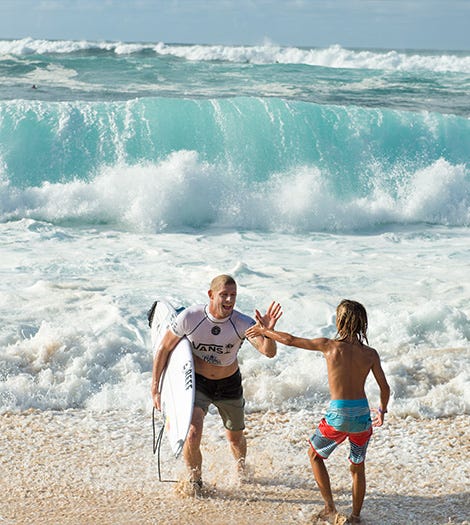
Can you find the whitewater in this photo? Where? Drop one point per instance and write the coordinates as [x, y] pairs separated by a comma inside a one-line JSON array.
[[133, 171]]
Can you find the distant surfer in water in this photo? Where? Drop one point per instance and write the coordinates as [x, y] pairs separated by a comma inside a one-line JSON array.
[[216, 332], [349, 361]]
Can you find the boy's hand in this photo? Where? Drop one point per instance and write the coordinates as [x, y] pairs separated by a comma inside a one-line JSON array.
[[254, 331], [378, 418]]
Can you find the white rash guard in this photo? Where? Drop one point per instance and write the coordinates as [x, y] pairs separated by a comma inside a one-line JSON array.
[[215, 341]]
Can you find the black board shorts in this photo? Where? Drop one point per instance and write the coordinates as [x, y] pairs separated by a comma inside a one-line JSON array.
[[226, 394]]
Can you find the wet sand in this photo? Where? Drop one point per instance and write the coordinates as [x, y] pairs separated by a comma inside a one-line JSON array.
[[78, 467]]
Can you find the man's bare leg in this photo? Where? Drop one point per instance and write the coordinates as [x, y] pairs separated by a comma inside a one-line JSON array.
[[237, 441], [192, 446], [323, 481], [358, 473]]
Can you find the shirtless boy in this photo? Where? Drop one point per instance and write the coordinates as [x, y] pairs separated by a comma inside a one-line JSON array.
[[216, 332], [349, 361]]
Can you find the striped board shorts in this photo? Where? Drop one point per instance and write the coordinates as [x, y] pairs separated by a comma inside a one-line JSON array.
[[345, 418]]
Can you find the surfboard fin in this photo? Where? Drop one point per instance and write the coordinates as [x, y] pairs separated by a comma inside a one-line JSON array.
[[151, 313], [180, 448]]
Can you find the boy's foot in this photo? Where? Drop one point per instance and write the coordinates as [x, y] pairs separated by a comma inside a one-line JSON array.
[[354, 519], [325, 516]]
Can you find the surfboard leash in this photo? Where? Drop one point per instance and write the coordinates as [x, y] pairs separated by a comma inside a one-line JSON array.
[[157, 443]]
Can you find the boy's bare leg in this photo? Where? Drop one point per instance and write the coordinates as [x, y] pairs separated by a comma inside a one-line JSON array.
[[358, 473], [323, 481]]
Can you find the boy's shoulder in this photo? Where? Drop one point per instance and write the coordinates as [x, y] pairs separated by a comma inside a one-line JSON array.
[[356, 347]]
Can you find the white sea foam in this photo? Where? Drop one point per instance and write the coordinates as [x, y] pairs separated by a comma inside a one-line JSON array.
[[29, 46], [333, 56], [55, 75], [184, 192], [75, 334]]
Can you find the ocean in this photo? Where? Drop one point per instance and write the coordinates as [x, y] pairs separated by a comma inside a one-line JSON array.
[[136, 171]]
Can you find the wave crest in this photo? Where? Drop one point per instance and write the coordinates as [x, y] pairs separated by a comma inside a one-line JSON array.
[[333, 56]]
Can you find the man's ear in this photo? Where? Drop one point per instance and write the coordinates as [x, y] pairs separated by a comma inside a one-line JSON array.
[[210, 294]]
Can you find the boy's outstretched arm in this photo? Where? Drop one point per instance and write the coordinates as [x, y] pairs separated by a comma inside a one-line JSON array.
[[285, 338]]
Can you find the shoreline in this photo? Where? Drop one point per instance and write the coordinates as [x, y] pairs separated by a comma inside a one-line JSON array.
[[75, 467]]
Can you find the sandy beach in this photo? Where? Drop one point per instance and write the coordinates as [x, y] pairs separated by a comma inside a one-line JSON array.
[[77, 467]]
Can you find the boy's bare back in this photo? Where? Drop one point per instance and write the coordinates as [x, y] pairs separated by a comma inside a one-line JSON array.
[[348, 366]]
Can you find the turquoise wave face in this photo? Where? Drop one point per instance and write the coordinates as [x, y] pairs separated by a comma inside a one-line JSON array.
[[267, 164], [252, 137]]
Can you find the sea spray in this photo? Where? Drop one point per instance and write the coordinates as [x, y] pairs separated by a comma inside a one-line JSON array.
[[134, 171]]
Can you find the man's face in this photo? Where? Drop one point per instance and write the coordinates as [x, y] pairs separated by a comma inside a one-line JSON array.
[[222, 301]]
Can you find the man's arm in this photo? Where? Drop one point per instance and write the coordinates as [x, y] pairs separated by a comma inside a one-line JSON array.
[[166, 346], [265, 346], [379, 375]]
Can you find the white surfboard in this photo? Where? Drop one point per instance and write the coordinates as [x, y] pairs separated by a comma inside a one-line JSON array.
[[177, 385]]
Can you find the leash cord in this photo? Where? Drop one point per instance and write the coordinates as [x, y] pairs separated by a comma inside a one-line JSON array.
[[157, 444]]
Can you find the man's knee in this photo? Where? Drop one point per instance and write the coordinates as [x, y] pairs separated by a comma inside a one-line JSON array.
[[236, 437], [195, 429]]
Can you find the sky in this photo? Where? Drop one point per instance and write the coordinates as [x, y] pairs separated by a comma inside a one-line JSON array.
[[390, 24]]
